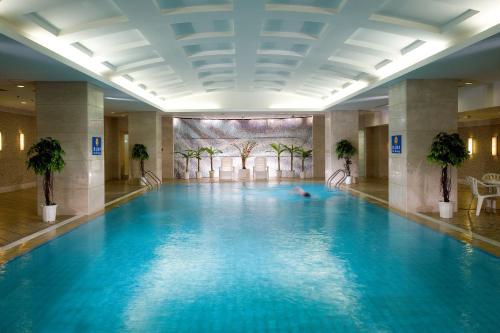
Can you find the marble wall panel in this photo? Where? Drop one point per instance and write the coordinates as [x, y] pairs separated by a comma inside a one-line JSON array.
[[193, 133]]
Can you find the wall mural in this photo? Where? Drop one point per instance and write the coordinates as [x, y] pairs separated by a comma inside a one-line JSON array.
[[222, 133]]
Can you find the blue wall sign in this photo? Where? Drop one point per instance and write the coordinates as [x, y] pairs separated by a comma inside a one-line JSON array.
[[396, 144], [96, 145]]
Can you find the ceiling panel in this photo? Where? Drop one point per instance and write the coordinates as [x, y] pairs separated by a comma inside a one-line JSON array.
[[211, 51]]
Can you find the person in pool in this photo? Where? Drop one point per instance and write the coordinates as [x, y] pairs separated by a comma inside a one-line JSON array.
[[301, 192]]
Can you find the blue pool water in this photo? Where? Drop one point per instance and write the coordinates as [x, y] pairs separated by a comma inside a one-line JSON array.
[[250, 258]]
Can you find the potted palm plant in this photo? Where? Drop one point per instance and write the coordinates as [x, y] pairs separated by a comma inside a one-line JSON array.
[[346, 150], [304, 154], [197, 154], [187, 154], [140, 153], [279, 149], [292, 150], [45, 158], [447, 150], [244, 150], [211, 151]]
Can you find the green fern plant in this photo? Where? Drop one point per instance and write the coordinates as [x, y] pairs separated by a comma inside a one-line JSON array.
[[140, 153], [447, 150], [197, 155], [279, 149], [211, 151], [187, 154], [304, 154], [292, 150], [345, 150], [45, 158]]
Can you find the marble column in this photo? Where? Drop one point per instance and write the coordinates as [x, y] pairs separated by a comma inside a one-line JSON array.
[[418, 110], [319, 146], [145, 128], [72, 112], [340, 125], [168, 147]]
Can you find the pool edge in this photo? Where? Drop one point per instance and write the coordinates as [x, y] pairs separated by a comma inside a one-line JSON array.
[[483, 243], [28, 243]]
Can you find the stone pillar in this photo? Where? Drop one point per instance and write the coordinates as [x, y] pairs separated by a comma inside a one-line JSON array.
[[362, 152], [145, 128], [418, 110], [168, 147], [112, 146], [340, 125], [72, 112], [319, 146]]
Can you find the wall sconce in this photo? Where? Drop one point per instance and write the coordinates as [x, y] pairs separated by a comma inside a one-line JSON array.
[[21, 141], [470, 145], [494, 141], [0, 141]]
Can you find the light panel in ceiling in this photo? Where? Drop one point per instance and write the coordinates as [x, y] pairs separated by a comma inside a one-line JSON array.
[[167, 52]]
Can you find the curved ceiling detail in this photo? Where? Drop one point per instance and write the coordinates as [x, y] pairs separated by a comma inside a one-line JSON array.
[[303, 54]]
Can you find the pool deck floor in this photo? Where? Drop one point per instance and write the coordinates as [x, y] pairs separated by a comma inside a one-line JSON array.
[[18, 211]]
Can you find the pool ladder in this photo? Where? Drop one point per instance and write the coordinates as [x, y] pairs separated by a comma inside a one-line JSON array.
[[152, 180], [337, 183]]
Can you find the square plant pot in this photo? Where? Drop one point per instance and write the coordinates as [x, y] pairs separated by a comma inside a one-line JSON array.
[[244, 174]]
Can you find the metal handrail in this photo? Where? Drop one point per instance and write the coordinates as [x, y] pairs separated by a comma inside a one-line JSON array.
[[341, 180], [156, 179], [149, 184], [330, 179], [335, 174]]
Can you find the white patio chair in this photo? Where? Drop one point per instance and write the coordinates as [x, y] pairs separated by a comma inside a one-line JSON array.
[[474, 185], [226, 169], [260, 168]]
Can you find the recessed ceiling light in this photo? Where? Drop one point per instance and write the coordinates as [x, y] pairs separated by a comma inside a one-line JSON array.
[[23, 102], [120, 99], [468, 83], [20, 86]]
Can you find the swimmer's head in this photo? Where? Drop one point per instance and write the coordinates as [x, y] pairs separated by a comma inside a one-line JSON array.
[[307, 194]]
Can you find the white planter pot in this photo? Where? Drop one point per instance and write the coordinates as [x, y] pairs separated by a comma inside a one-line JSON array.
[[302, 175], [348, 180], [199, 175], [446, 209], [244, 174], [292, 174], [279, 173], [211, 174], [186, 175], [49, 213]]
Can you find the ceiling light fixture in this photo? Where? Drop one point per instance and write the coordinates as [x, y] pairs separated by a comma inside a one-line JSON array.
[[468, 83], [20, 86], [138, 91], [61, 49], [120, 99]]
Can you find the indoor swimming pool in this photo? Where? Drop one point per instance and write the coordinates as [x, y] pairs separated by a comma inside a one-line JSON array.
[[256, 257]]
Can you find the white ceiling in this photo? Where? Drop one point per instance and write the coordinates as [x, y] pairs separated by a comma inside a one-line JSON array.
[[241, 55]]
